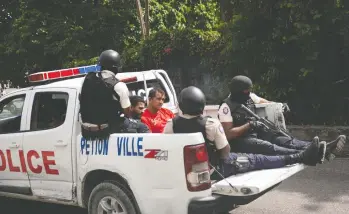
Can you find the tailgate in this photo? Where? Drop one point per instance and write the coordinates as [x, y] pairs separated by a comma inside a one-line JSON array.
[[255, 182]]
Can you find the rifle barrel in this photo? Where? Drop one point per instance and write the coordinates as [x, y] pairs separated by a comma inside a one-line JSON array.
[[264, 120]]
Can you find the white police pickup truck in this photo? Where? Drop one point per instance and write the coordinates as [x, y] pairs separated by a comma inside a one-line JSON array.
[[44, 157]]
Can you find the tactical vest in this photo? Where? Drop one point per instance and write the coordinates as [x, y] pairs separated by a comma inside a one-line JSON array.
[[240, 117], [97, 105], [197, 124]]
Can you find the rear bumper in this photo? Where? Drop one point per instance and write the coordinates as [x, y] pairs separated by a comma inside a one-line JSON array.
[[211, 204], [221, 203]]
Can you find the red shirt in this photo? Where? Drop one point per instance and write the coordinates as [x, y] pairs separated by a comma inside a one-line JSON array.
[[157, 122]]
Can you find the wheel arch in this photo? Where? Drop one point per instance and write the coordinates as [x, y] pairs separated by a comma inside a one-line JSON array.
[[95, 177]]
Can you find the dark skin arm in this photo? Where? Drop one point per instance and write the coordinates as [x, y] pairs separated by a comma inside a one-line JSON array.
[[224, 153], [233, 132]]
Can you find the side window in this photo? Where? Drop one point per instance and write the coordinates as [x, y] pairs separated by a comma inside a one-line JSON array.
[[11, 114], [137, 88], [49, 110]]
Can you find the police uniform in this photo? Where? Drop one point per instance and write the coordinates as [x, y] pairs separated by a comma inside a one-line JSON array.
[[210, 128], [255, 141], [224, 110], [103, 99], [192, 102], [214, 136], [120, 90], [213, 130]]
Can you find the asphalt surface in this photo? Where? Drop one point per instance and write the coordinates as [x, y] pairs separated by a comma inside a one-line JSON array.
[[322, 189]]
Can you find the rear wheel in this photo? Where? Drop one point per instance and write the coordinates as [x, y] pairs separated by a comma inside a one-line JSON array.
[[110, 198]]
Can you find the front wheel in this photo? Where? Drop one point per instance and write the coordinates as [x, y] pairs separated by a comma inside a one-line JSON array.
[[109, 198]]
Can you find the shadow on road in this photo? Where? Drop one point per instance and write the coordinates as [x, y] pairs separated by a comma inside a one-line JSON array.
[[324, 184], [14, 206]]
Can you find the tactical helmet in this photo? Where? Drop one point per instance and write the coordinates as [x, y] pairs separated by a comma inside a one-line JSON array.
[[110, 60], [192, 101], [239, 83]]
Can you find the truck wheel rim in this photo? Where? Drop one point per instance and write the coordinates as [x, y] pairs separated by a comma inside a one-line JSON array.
[[111, 205]]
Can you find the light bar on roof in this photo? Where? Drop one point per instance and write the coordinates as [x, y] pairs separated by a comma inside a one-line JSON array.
[[69, 72], [63, 73], [129, 79]]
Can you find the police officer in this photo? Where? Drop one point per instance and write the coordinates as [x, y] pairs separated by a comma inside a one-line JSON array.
[[244, 134], [192, 102], [104, 100]]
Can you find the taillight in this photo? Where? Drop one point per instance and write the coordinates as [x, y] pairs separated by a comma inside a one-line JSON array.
[[197, 170]]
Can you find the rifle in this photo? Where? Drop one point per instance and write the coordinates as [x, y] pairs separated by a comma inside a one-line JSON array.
[[270, 126]]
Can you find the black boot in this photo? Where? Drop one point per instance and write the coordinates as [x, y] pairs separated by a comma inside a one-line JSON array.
[[309, 156], [335, 147]]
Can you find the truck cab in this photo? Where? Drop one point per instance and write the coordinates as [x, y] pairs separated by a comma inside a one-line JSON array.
[[45, 158]]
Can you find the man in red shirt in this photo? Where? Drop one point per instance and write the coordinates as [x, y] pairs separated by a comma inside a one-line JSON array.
[[155, 116]]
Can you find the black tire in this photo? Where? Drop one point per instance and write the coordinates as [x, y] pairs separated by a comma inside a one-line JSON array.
[[114, 190]]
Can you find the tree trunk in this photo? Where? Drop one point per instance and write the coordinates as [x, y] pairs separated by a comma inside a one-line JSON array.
[[140, 16]]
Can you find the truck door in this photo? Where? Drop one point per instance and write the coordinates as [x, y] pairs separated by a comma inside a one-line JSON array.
[[49, 142], [13, 161]]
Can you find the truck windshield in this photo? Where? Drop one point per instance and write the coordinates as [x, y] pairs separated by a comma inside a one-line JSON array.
[[137, 88]]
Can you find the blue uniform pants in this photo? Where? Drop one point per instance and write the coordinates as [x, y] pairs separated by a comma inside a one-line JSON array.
[[290, 143], [279, 146], [240, 163]]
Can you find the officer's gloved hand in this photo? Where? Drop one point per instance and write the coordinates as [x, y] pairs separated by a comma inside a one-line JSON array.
[[257, 125], [285, 108]]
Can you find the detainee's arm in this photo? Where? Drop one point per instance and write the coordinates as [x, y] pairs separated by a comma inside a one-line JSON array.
[[122, 90], [226, 120]]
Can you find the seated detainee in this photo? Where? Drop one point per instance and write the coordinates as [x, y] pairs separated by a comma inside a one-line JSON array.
[[133, 124], [137, 107], [248, 136], [192, 102], [155, 116]]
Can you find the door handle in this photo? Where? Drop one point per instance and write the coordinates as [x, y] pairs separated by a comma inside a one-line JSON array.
[[14, 145], [60, 143]]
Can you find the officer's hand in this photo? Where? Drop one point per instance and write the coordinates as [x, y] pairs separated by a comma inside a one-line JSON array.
[[251, 119], [285, 108], [257, 125]]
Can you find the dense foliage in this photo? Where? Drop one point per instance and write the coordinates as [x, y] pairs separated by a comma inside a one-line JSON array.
[[295, 51]]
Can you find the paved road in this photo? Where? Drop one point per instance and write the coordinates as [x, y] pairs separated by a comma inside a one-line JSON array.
[[321, 190], [324, 189]]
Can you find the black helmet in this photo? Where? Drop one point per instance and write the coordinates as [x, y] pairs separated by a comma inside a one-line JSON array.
[[192, 101], [239, 83], [110, 60]]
